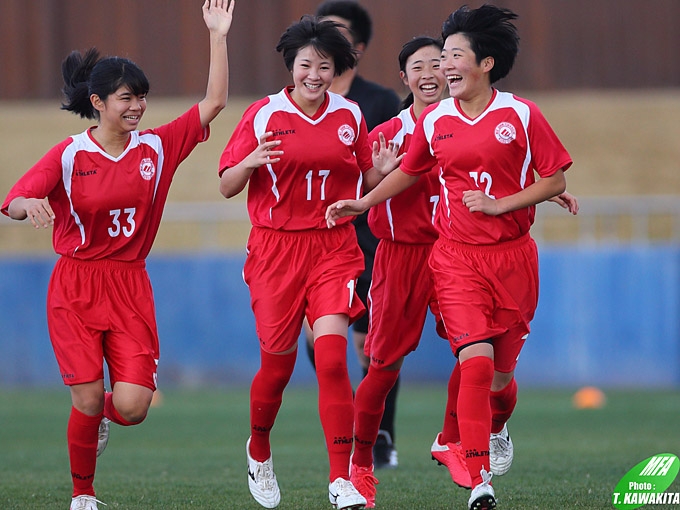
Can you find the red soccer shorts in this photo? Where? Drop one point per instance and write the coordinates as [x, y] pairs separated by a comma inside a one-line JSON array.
[[308, 273], [487, 292], [401, 291], [103, 310]]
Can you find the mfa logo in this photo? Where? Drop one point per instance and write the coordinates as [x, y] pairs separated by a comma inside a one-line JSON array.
[[346, 134], [646, 482], [147, 169]]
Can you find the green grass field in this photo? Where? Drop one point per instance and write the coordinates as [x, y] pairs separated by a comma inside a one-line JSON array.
[[189, 453]]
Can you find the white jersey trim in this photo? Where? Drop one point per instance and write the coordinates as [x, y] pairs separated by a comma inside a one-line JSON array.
[[407, 127], [280, 102], [83, 142]]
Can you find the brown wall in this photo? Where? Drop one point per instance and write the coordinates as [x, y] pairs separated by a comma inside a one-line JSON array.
[[566, 44]]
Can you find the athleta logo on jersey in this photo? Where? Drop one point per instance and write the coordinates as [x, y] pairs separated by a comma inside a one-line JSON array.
[[282, 132], [443, 136], [346, 134], [147, 169], [85, 173], [505, 132]]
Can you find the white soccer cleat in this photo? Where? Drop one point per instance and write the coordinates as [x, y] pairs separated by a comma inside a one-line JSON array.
[[483, 496], [501, 452], [262, 481], [344, 496], [103, 436], [85, 503]]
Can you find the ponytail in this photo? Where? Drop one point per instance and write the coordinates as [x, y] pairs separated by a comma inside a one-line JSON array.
[[76, 70]]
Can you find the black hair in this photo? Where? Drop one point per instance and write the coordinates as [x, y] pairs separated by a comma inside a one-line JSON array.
[[491, 33], [409, 49], [323, 36], [89, 74], [360, 22]]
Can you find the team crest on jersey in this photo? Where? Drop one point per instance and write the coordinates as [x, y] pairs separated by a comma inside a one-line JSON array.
[[147, 169], [346, 134], [505, 132]]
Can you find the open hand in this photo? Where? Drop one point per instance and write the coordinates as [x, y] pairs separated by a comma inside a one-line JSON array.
[[385, 155], [218, 14], [265, 153]]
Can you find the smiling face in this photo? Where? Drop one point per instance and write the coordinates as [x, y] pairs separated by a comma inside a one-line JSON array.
[[121, 111], [465, 77], [423, 76], [312, 76]]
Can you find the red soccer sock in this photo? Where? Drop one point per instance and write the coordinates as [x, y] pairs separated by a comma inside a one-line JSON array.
[[81, 434], [112, 413], [266, 393], [450, 432], [474, 413], [336, 408], [502, 405], [369, 406]]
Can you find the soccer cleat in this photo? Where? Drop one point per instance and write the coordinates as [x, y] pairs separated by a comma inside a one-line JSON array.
[[384, 453], [501, 452], [262, 481], [364, 481], [85, 503], [103, 435], [483, 496], [451, 455], [344, 496]]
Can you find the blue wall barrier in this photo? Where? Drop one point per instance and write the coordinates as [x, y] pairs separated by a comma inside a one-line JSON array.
[[607, 316]]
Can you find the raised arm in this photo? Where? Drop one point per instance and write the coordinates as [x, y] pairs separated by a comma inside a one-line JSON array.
[[217, 15]]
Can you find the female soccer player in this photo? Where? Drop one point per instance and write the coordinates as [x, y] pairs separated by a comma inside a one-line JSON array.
[[402, 279], [298, 151], [103, 191], [488, 145]]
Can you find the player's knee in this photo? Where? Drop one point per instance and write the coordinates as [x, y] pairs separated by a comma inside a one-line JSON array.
[[89, 405], [501, 380], [134, 414], [88, 399]]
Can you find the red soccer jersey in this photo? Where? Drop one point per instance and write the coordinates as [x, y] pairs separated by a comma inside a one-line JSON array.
[[409, 216], [108, 207], [496, 152], [323, 161]]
